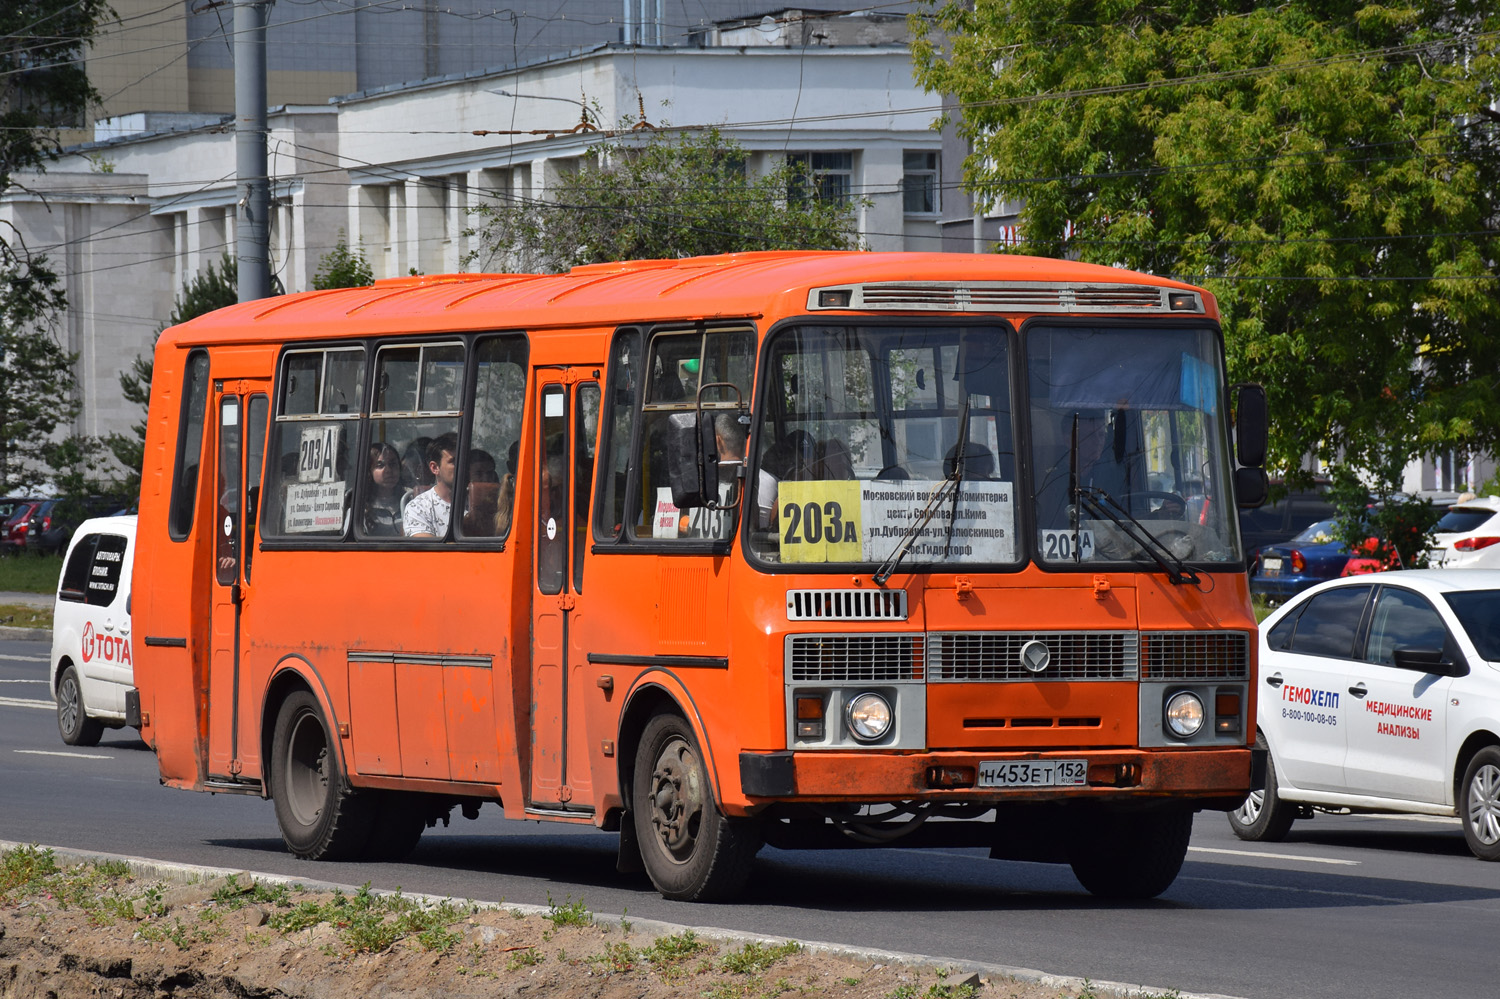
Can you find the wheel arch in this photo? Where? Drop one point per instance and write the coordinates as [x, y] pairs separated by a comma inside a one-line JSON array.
[[652, 693], [294, 673], [1476, 740]]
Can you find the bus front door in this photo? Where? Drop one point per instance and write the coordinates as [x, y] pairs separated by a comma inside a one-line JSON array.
[[241, 407], [568, 401]]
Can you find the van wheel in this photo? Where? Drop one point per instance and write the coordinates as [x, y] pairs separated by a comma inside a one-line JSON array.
[[691, 851], [321, 816], [1480, 804], [1264, 817], [1130, 855], [73, 722]]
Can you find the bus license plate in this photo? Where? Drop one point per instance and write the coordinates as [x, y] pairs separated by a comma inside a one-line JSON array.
[[1034, 773]]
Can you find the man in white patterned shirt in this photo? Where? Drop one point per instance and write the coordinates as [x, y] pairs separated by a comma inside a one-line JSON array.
[[427, 515]]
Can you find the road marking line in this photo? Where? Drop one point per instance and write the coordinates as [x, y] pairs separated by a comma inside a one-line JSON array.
[[23, 681], [1276, 856], [22, 659], [26, 702], [1317, 891], [52, 752]]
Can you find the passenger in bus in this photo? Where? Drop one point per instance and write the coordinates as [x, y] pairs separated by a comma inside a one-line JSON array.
[[506, 502], [834, 461], [416, 477], [427, 515], [483, 495], [552, 502], [381, 516]]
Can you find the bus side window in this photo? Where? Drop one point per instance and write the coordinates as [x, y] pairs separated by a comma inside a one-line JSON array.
[[309, 491], [625, 366], [189, 445], [713, 367], [415, 414], [487, 492]]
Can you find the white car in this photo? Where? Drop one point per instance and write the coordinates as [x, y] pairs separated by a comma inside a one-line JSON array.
[[1381, 693], [1468, 536], [92, 669]]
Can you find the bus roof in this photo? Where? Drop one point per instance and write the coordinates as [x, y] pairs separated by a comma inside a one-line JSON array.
[[732, 286]]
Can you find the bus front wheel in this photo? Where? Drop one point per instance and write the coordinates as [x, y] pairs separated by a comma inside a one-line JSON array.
[[321, 816], [691, 850], [1130, 855]]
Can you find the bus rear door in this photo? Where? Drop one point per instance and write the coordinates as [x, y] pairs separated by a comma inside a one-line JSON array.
[[240, 407], [568, 404]]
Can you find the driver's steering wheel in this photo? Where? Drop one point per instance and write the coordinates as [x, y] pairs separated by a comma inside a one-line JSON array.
[[1127, 501]]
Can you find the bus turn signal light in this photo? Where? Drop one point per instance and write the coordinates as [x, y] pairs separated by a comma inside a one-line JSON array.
[[1227, 711], [809, 717]]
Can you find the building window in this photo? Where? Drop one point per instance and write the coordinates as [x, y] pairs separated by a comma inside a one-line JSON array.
[[919, 182], [826, 176]]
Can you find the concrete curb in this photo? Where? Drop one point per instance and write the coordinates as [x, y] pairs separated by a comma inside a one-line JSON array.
[[168, 871], [10, 634]]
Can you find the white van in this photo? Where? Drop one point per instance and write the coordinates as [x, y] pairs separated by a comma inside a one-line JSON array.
[[92, 672]]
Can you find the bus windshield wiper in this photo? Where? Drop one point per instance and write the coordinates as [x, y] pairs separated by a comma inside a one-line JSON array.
[[913, 529], [1102, 505]]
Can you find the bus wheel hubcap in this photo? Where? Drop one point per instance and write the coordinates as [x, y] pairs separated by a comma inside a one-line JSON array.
[[677, 798]]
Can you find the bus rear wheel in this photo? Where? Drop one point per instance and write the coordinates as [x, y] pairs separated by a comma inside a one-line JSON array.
[[320, 815], [691, 850], [1131, 855]]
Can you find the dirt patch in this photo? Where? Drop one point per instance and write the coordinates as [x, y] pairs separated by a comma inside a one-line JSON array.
[[98, 930]]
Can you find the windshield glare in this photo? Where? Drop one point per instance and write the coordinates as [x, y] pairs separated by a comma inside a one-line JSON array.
[[858, 431], [1133, 415]]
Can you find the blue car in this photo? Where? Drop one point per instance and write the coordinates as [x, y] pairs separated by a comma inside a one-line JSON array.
[[1313, 556]]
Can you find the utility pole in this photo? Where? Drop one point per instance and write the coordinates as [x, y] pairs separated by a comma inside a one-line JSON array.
[[252, 242]]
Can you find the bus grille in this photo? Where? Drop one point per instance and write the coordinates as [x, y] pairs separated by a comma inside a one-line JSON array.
[[995, 657], [846, 605], [1003, 296], [1195, 655], [857, 658]]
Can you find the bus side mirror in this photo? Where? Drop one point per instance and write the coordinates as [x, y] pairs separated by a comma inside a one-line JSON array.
[[1250, 487], [692, 459], [1250, 424]]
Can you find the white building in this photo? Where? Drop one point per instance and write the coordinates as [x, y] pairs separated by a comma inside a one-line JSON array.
[[128, 219]]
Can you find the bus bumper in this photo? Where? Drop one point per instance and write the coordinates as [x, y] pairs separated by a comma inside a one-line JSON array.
[[1222, 775]]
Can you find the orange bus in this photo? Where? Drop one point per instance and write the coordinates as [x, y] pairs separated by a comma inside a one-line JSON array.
[[803, 549]]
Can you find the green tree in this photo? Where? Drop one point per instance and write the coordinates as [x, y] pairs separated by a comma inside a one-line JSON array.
[[666, 195], [1329, 170], [213, 288], [43, 88], [342, 267]]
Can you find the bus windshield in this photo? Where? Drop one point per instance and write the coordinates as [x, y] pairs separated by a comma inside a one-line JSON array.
[[1128, 445], [858, 452], [858, 440]]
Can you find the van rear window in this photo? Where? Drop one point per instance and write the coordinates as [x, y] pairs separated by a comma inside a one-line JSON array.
[[92, 574]]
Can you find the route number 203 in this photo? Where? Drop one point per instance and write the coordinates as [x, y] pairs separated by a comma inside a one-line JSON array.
[[816, 522], [1059, 546]]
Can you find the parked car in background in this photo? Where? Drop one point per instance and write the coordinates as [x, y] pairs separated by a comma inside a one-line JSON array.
[[1278, 522], [1280, 572], [1468, 536], [13, 529], [91, 666], [54, 521], [1382, 694]]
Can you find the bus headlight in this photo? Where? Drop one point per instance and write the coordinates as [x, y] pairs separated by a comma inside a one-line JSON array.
[[868, 717], [1184, 714]]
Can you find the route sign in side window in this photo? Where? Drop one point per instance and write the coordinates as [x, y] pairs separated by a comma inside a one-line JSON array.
[[1329, 622]]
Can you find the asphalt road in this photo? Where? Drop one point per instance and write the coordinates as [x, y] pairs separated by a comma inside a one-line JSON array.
[[1347, 906]]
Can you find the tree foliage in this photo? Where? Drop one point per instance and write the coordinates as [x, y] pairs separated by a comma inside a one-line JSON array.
[[342, 267], [213, 288], [1329, 170], [666, 195], [43, 87]]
